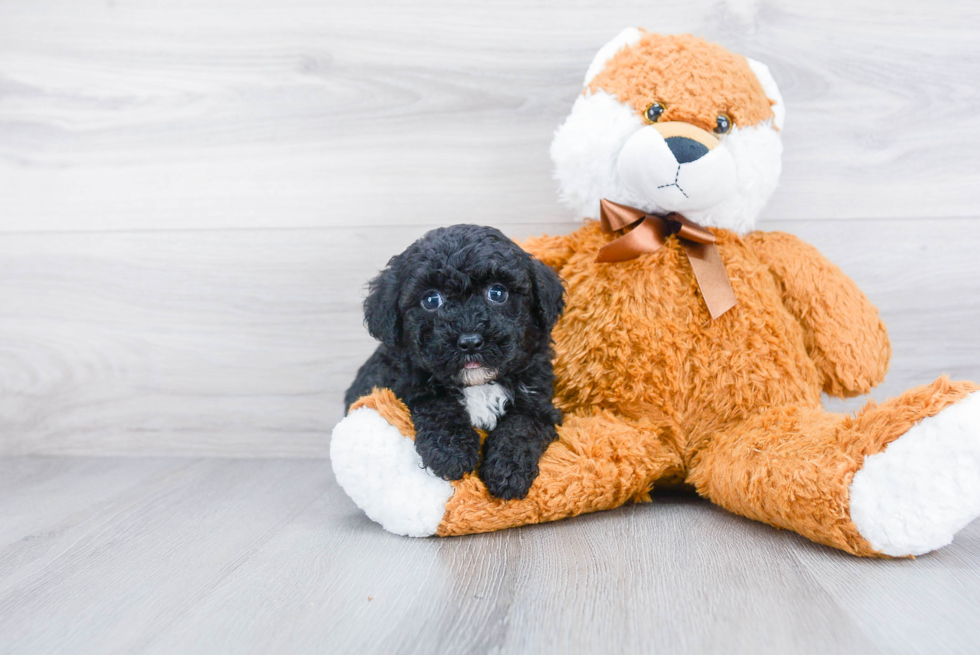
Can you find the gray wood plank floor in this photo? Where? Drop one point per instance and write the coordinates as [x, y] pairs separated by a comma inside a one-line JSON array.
[[192, 196], [213, 556]]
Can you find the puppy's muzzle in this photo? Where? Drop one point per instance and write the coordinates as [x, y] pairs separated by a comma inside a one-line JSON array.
[[469, 342], [677, 166]]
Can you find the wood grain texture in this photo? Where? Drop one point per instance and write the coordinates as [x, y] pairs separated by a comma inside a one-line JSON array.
[[226, 342], [241, 343], [260, 556], [192, 195], [192, 115]]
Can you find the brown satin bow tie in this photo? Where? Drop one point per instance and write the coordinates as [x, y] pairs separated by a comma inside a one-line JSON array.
[[651, 233]]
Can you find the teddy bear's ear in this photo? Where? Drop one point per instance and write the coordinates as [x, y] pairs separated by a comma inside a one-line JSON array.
[[772, 92], [381, 312], [627, 37]]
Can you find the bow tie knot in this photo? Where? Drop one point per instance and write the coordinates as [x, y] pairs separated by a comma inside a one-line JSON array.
[[651, 232]]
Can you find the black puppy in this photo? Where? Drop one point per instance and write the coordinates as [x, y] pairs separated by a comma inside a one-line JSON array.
[[464, 317]]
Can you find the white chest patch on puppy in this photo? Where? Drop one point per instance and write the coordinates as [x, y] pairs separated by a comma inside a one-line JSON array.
[[486, 403]]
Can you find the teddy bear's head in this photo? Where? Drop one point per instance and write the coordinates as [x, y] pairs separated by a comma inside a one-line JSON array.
[[672, 124]]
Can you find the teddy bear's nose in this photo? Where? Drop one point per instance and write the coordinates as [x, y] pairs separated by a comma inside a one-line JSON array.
[[686, 150], [469, 342]]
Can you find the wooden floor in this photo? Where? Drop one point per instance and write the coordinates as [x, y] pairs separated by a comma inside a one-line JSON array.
[[162, 555], [192, 196]]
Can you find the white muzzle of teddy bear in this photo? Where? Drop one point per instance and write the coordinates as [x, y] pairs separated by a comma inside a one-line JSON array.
[[678, 166], [590, 164]]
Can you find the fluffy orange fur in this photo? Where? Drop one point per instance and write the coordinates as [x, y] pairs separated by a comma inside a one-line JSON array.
[[695, 80], [391, 409], [655, 392]]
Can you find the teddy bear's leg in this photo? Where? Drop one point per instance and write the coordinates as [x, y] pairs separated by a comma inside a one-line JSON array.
[[599, 462], [897, 479], [372, 451]]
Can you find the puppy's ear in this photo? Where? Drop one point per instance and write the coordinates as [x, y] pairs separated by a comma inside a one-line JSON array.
[[381, 313], [549, 294]]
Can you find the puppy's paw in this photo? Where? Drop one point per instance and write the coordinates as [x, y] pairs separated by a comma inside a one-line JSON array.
[[449, 456], [508, 478], [511, 454]]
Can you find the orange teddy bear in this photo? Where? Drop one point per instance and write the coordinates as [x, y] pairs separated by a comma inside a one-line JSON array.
[[694, 349]]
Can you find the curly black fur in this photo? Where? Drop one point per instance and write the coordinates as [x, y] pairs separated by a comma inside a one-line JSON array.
[[420, 357]]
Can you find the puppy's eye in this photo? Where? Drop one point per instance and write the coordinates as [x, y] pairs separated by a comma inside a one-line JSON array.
[[723, 124], [497, 293], [654, 111], [432, 300]]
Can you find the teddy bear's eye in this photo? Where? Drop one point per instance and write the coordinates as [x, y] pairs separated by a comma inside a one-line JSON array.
[[497, 293], [432, 300], [655, 111], [723, 124]]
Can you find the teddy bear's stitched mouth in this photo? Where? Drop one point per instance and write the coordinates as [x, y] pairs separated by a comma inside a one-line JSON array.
[[674, 183]]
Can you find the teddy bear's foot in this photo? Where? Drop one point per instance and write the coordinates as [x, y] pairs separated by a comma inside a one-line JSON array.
[[913, 497], [599, 462], [895, 479], [377, 466]]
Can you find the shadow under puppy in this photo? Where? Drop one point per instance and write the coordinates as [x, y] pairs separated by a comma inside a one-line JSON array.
[[464, 317]]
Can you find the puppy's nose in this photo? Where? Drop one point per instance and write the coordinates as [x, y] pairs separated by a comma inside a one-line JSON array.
[[469, 342], [686, 150]]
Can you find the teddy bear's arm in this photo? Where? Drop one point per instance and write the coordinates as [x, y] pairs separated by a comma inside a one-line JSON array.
[[554, 251], [844, 336]]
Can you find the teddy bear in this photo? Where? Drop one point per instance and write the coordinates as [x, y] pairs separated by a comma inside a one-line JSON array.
[[693, 349]]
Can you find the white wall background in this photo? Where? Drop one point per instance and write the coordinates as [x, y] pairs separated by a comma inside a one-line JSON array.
[[193, 193]]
